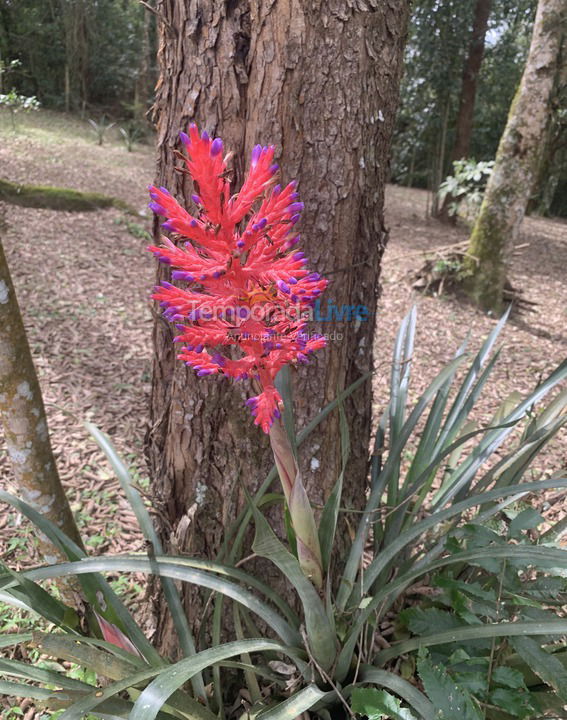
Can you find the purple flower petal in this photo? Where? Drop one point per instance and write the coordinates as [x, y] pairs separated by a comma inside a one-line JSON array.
[[157, 208], [256, 152], [216, 147], [295, 207]]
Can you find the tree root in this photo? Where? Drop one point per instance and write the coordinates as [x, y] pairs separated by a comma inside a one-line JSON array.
[[443, 273]]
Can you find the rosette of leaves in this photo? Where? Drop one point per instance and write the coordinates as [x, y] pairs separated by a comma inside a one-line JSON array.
[[447, 509], [100, 128], [501, 678]]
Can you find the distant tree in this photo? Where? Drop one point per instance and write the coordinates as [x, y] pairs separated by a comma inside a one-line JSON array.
[[75, 53], [74, 14], [144, 77], [471, 69], [322, 85], [433, 64], [506, 48], [516, 165], [438, 52]]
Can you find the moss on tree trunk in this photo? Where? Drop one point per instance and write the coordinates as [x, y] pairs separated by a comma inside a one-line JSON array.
[[508, 191]]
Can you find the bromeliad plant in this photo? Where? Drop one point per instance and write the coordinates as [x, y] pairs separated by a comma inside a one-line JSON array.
[[247, 290], [440, 488]]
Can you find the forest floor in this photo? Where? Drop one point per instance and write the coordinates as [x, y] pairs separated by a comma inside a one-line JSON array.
[[83, 282]]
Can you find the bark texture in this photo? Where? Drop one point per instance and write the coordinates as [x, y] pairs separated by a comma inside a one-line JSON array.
[[320, 81], [471, 69], [510, 184], [25, 426], [554, 152]]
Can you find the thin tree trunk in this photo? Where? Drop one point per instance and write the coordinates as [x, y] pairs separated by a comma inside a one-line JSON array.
[[409, 181], [321, 83], [440, 161], [471, 70], [502, 211], [142, 84], [75, 21], [67, 88], [25, 425], [83, 54]]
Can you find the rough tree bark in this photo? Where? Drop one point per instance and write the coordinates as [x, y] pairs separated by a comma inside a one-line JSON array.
[[320, 81], [22, 415], [471, 69], [553, 155], [510, 184]]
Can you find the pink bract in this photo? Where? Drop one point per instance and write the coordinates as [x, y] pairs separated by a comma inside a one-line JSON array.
[[245, 286]]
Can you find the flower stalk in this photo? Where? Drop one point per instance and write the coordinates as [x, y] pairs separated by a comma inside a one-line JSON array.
[[300, 510]]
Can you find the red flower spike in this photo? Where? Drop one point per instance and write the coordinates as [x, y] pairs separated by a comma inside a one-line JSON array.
[[243, 282]]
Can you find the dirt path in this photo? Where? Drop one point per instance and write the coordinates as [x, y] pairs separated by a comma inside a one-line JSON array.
[[534, 343]]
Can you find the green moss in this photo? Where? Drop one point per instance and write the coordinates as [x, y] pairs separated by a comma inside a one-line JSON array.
[[484, 271], [55, 198]]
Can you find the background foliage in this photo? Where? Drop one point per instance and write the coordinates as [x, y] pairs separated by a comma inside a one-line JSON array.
[[79, 53], [437, 45]]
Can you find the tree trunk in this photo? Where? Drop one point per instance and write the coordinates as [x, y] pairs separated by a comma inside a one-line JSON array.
[[552, 157], [439, 161], [74, 15], [509, 187], [470, 78], [142, 85], [320, 81], [471, 69], [22, 415]]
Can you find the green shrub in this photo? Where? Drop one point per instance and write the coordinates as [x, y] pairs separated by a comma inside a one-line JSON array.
[[466, 187]]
